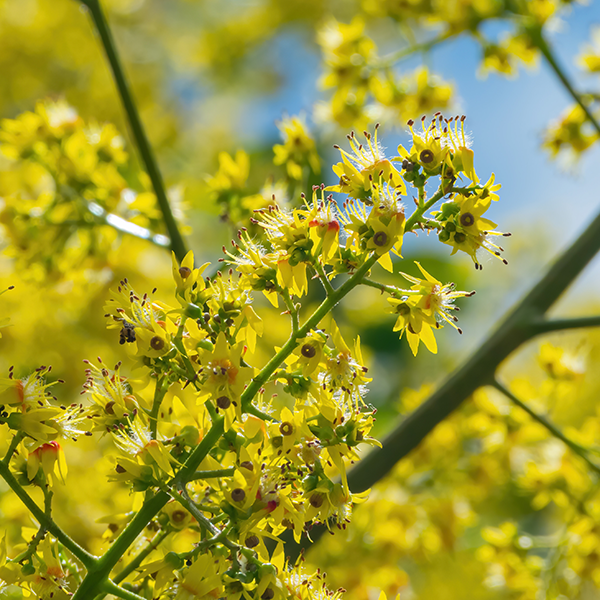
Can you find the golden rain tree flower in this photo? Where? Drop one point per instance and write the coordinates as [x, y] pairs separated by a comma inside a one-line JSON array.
[[112, 399], [51, 458], [203, 580], [325, 227], [136, 440], [186, 277], [298, 149], [290, 236], [224, 378], [570, 134], [361, 167], [426, 306], [256, 265], [465, 228]]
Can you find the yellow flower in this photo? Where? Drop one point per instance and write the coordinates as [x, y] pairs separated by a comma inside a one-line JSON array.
[[203, 580], [51, 458], [365, 164], [298, 148]]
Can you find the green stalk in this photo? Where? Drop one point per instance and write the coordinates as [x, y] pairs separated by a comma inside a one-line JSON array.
[[137, 561], [159, 393], [550, 325], [111, 588], [98, 575], [422, 208], [394, 57], [135, 122], [555, 431], [324, 308], [46, 521], [537, 37]]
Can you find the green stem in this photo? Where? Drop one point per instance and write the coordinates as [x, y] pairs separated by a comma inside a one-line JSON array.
[[112, 588], [537, 37], [44, 520], [99, 574], [390, 289], [323, 277], [323, 309], [103, 29], [31, 548], [285, 294], [213, 474], [555, 431], [159, 394], [549, 325], [479, 369], [394, 57], [137, 561], [422, 208], [12, 447]]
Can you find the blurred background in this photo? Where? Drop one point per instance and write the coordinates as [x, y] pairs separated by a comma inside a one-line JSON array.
[[214, 77]]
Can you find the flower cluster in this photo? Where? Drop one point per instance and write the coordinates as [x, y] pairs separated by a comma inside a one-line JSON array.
[[365, 87], [241, 455], [65, 190]]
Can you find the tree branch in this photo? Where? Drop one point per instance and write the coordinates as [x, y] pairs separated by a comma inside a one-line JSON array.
[[137, 128]]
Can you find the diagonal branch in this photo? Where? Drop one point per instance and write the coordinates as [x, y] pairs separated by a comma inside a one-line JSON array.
[[518, 327], [553, 429], [137, 128]]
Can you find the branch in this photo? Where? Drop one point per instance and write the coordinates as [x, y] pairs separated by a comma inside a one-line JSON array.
[[112, 588], [394, 57], [93, 580], [44, 520], [479, 369], [536, 35], [139, 134], [549, 325], [555, 431], [137, 561], [125, 226]]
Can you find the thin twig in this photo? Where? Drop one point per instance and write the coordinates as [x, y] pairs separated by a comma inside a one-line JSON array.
[[553, 429], [137, 128]]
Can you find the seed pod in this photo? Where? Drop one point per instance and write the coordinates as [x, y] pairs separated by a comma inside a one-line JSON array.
[[185, 272], [252, 541]]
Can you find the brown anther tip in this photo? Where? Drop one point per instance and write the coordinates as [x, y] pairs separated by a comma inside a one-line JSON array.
[[11, 287], [506, 234], [459, 330], [504, 261], [336, 146]]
